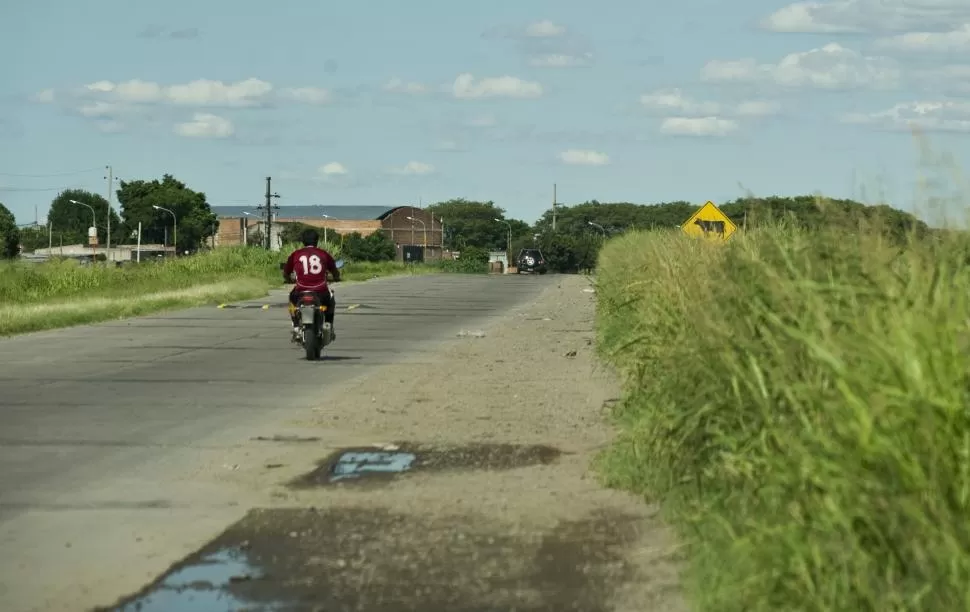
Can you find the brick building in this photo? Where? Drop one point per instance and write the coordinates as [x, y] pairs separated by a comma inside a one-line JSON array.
[[416, 233]]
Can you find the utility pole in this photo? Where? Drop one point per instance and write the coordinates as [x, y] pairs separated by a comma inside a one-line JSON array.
[[269, 212], [107, 245], [553, 207]]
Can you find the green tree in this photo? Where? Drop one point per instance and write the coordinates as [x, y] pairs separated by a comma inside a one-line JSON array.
[[196, 221], [72, 220], [570, 253], [615, 218], [812, 212], [473, 224], [9, 234], [374, 247], [293, 232]]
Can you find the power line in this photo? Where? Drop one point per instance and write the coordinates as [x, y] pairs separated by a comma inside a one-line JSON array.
[[50, 175], [23, 189]]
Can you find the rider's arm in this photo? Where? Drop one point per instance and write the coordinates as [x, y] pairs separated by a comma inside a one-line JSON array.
[[332, 267], [288, 266]]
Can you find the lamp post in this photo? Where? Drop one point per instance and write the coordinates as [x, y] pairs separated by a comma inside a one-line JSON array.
[[246, 229], [94, 224], [325, 228], [175, 228], [598, 226], [424, 228], [508, 244]]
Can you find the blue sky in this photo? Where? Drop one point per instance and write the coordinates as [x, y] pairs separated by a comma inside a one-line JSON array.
[[390, 103]]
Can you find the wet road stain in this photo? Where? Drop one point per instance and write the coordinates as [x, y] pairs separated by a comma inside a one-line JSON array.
[[199, 585], [369, 559], [279, 438], [382, 464]]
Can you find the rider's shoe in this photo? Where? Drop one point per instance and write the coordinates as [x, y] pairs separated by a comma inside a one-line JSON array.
[[296, 335]]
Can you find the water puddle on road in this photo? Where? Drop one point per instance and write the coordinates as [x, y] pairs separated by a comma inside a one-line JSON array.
[[382, 463], [199, 587], [369, 558]]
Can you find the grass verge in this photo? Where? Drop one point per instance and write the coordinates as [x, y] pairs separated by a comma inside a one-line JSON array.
[[800, 405], [61, 293]]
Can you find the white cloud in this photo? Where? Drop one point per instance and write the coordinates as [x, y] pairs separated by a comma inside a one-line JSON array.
[[44, 97], [758, 108], [201, 92], [939, 116], [333, 169], [838, 16], [544, 29], [483, 121], [580, 157], [698, 126], [559, 60], [101, 86], [205, 125], [447, 145], [954, 41], [465, 86], [830, 67], [954, 78], [675, 101], [308, 95], [101, 109], [110, 126], [397, 85], [414, 168]]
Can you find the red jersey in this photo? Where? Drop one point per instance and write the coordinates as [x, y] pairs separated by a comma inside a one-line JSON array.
[[311, 265]]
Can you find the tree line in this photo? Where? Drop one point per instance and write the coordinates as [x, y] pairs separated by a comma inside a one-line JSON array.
[[163, 207], [470, 226]]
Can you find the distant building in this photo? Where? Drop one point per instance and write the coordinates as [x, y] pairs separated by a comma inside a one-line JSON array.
[[416, 240], [116, 253]]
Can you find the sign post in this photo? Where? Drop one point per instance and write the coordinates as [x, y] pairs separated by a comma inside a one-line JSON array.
[[710, 223]]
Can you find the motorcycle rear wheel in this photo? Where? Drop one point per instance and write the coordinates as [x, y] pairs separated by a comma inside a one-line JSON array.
[[312, 344]]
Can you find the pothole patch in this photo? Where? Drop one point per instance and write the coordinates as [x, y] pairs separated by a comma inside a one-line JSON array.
[[384, 463]]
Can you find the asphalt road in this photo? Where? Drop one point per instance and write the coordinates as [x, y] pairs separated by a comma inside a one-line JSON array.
[[102, 427]]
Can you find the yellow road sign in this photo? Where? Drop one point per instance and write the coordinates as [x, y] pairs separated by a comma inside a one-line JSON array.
[[709, 222]]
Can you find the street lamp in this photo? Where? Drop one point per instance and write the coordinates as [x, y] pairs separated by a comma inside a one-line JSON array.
[[325, 243], [246, 229], [175, 228], [598, 226], [424, 228], [94, 224], [508, 249]]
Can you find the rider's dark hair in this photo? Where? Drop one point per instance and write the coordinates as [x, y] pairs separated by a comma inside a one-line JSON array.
[[310, 237]]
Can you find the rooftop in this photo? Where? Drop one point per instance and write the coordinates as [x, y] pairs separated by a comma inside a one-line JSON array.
[[344, 213]]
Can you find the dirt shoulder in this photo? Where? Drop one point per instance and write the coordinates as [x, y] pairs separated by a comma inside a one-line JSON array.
[[525, 397]]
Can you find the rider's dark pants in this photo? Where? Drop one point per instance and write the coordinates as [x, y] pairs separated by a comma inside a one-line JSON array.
[[325, 297]]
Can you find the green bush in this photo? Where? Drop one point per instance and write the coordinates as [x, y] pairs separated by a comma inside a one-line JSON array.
[[798, 400], [373, 247], [472, 260]]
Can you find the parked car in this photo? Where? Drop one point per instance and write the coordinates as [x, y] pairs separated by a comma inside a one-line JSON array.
[[531, 261]]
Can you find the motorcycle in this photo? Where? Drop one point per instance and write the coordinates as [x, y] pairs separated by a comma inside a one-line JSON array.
[[315, 332]]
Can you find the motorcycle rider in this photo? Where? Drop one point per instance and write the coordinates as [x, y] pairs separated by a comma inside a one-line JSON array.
[[310, 264]]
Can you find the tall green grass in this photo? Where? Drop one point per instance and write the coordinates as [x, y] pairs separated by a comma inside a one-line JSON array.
[[31, 292], [800, 404]]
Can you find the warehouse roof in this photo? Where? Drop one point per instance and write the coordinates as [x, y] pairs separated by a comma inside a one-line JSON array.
[[345, 213]]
